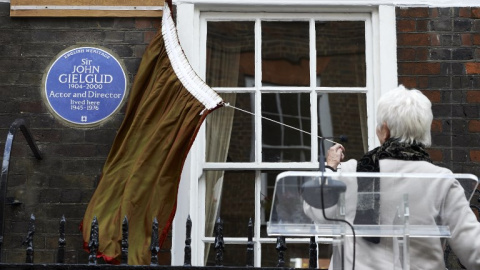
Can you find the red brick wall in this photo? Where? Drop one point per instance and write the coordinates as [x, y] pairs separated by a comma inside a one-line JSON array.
[[439, 54], [63, 182]]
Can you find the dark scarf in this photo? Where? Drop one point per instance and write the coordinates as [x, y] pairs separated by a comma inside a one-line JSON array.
[[368, 208]]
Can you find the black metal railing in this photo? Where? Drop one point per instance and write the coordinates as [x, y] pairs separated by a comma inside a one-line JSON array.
[[18, 123], [93, 244], [281, 247]]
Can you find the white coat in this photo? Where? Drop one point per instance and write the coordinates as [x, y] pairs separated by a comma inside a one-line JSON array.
[[429, 201]]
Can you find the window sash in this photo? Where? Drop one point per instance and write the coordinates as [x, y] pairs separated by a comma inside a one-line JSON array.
[[258, 89]]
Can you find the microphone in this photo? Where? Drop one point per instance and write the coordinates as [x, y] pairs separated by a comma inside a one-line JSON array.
[[342, 138]]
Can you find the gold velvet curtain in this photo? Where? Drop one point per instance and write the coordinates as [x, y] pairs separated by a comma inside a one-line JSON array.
[[141, 175]]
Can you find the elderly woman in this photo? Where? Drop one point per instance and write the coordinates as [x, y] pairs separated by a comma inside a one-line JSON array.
[[404, 118]]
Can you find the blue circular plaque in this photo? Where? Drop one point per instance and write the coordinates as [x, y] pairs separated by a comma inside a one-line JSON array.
[[85, 85]]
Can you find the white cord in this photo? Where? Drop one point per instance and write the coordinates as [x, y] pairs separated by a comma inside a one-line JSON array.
[[263, 117]]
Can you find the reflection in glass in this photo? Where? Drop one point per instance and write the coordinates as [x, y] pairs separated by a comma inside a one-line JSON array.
[[232, 198], [341, 53], [281, 143], [231, 133], [285, 53], [347, 119], [230, 195], [230, 53], [266, 197]]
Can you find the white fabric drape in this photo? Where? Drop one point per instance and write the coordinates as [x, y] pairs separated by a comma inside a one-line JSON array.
[[223, 67]]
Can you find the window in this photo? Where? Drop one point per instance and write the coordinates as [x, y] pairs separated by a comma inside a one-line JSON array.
[[290, 78]]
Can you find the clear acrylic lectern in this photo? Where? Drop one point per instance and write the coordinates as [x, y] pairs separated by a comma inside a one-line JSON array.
[[370, 206]]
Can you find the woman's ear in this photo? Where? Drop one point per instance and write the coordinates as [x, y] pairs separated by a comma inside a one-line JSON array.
[[383, 133]]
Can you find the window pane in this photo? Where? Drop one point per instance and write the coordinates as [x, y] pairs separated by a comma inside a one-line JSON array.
[[230, 195], [285, 54], [341, 54], [230, 132], [324, 255], [230, 53], [347, 119], [282, 143], [266, 198]]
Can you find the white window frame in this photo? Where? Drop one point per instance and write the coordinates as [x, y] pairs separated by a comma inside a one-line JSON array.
[[382, 66]]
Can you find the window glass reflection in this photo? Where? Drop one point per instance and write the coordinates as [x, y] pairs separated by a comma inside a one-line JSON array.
[[341, 53], [230, 53], [343, 117], [231, 133], [230, 196], [285, 53], [279, 142]]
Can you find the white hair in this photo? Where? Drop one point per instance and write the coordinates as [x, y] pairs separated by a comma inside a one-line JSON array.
[[407, 113]]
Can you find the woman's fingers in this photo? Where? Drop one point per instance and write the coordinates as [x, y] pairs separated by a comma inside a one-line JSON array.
[[335, 155]]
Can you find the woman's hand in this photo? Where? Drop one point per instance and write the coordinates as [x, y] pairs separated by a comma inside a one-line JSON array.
[[335, 155]]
